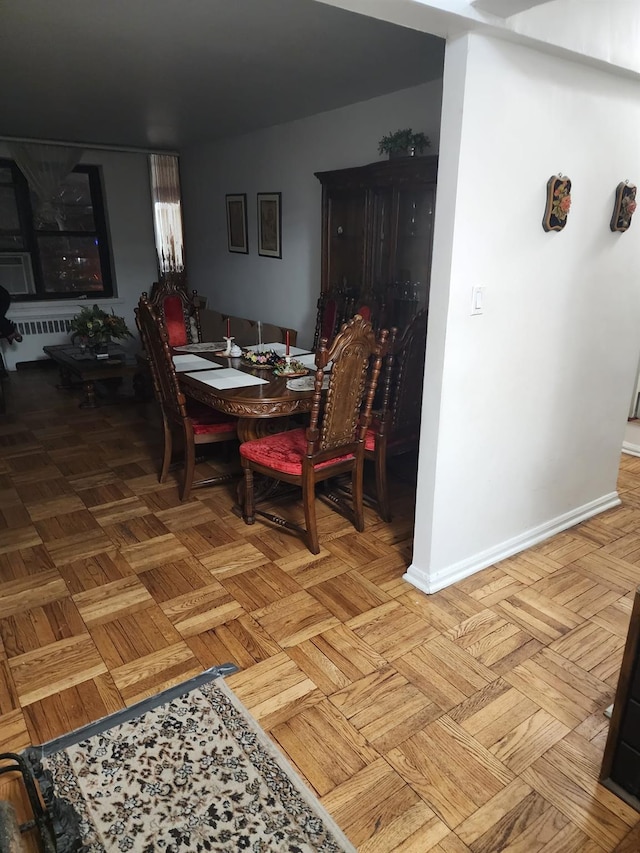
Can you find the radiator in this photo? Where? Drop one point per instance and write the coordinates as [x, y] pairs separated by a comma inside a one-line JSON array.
[[37, 332]]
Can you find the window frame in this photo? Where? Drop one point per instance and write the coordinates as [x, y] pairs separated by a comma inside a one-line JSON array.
[[30, 236]]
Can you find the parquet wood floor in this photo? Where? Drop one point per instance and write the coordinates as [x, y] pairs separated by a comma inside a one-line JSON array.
[[469, 721]]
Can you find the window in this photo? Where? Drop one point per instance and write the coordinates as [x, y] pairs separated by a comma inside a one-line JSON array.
[[53, 249]]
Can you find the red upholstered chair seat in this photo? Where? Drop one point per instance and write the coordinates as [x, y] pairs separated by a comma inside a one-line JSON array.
[[174, 320], [283, 452], [370, 440], [206, 420]]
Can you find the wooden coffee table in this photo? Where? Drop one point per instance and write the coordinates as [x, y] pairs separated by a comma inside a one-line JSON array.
[[73, 363]]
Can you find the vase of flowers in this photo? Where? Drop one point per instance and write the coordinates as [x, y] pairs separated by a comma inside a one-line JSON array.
[[94, 327]]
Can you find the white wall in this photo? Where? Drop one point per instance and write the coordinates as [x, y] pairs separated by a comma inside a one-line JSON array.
[[599, 31], [606, 30], [525, 405], [128, 202], [283, 159]]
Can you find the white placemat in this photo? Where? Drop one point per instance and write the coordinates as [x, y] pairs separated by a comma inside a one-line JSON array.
[[279, 348], [193, 362], [227, 377], [203, 346]]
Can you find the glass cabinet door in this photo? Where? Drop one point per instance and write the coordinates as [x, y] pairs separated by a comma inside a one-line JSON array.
[[346, 240], [381, 246], [414, 240]]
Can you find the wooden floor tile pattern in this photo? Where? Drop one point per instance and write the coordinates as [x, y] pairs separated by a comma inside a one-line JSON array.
[[469, 721]]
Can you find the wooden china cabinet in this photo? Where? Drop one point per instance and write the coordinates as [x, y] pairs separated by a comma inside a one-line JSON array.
[[377, 234]]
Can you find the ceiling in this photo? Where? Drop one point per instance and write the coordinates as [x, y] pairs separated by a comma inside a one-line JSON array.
[[166, 74]]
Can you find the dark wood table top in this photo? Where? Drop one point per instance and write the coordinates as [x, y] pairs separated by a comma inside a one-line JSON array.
[[87, 367], [269, 400]]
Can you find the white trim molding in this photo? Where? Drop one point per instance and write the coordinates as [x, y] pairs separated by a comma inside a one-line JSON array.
[[431, 582], [631, 449]]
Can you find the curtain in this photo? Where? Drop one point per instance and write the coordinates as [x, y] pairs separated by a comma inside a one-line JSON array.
[[45, 167], [167, 212]]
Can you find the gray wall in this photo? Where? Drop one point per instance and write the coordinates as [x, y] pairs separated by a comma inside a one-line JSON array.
[[284, 159]]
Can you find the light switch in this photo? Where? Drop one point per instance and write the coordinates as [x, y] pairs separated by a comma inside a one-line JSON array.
[[477, 300]]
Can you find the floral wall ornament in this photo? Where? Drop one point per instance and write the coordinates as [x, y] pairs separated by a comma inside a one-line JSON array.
[[624, 206], [558, 203]]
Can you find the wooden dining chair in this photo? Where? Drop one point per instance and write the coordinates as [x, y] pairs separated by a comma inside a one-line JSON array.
[[179, 309], [330, 315], [369, 307], [396, 428], [198, 424], [333, 444]]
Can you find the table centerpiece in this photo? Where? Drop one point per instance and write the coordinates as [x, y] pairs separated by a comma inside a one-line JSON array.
[[290, 367], [262, 359]]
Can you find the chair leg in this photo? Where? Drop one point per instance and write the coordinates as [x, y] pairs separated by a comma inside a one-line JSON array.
[[382, 494], [311, 524], [357, 496], [248, 509], [189, 468], [167, 449]]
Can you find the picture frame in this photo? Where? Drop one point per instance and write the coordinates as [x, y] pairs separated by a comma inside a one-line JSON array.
[[270, 225], [237, 231]]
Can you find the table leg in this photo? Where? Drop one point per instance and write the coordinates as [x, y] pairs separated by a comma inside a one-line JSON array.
[[89, 401], [251, 428], [65, 379]]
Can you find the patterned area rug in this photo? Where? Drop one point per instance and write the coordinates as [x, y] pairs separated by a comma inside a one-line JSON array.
[[189, 770]]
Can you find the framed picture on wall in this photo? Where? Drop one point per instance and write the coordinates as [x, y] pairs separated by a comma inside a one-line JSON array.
[[237, 239], [269, 225]]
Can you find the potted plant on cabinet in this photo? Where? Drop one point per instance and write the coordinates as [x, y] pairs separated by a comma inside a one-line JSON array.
[[403, 143]]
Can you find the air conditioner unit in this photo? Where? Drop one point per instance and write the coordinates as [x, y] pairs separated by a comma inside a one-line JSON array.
[[16, 273]]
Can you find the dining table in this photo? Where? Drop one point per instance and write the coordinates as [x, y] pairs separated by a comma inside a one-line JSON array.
[[262, 408]]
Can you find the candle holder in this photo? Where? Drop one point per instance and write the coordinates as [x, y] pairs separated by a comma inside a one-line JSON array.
[[229, 345]]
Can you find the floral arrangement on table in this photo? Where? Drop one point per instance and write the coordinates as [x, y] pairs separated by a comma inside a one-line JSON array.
[[97, 326], [261, 358], [290, 368]]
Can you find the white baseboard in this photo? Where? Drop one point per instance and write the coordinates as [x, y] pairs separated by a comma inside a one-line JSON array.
[[631, 449], [433, 581]]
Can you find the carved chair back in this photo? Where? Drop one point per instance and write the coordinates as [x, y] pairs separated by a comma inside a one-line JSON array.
[[155, 340], [403, 380], [344, 414], [369, 308], [332, 312], [179, 309]]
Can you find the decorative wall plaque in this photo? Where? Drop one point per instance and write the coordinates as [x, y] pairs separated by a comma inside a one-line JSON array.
[[624, 206], [558, 203]]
